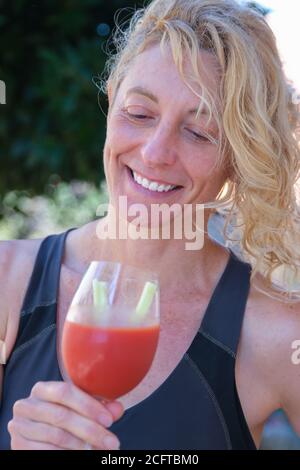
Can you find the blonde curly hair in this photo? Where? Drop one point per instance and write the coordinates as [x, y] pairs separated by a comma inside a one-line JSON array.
[[257, 120]]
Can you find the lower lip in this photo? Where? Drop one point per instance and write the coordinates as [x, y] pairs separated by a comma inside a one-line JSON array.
[[148, 192]]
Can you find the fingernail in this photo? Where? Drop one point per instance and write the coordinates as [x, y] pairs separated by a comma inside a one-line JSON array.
[[105, 419], [111, 443]]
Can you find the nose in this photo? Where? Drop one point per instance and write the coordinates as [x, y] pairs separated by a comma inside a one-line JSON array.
[[159, 148]]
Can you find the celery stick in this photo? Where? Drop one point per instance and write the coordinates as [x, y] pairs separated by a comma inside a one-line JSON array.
[[100, 294], [145, 301]]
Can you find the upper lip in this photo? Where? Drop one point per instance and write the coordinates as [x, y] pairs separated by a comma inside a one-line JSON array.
[[153, 178]]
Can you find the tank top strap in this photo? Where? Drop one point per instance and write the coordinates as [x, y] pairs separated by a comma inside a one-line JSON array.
[[224, 315], [43, 285]]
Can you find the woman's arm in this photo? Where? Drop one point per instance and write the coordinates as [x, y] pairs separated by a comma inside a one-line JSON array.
[[288, 366], [16, 264], [278, 360], [6, 256]]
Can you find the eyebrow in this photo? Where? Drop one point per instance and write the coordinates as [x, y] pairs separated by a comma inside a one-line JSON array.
[[143, 91]]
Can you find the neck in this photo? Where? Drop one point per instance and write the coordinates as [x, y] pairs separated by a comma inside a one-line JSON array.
[[177, 267]]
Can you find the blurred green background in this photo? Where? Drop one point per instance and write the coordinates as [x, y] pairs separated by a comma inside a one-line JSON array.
[[52, 124], [52, 127]]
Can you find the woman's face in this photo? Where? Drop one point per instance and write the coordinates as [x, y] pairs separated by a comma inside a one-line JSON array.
[[154, 150]]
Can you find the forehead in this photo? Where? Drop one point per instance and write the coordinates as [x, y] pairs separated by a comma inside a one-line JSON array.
[[155, 70]]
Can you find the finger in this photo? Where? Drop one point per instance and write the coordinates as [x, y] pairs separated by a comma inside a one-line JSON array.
[[72, 397], [65, 418], [116, 409], [44, 433], [18, 442]]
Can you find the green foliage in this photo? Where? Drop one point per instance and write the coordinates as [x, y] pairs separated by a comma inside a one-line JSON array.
[[62, 206], [50, 51]]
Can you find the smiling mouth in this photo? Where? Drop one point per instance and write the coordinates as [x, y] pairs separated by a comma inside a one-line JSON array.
[[152, 185]]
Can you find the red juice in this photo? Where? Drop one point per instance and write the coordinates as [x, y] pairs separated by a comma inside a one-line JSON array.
[[108, 361]]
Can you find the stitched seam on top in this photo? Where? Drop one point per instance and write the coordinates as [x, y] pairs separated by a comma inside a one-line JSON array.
[[214, 399], [41, 304], [217, 343], [31, 341]]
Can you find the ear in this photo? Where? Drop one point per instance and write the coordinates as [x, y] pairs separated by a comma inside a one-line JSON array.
[[109, 93]]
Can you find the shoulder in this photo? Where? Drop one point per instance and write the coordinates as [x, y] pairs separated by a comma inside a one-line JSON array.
[[16, 261], [277, 319], [271, 333], [273, 323], [16, 264]]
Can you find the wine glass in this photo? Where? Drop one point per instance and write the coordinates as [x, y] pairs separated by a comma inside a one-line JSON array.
[[111, 331]]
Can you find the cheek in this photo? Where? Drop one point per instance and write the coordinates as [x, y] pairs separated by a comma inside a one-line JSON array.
[[110, 163], [121, 135], [215, 182], [201, 164], [117, 143], [204, 174], [112, 148]]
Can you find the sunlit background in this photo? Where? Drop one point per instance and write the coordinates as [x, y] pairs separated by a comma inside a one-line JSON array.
[[284, 20], [52, 127]]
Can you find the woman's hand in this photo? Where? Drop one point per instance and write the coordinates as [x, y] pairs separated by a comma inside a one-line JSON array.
[[58, 415]]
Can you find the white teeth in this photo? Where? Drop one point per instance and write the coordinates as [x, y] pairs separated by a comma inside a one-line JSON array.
[[152, 185], [145, 183]]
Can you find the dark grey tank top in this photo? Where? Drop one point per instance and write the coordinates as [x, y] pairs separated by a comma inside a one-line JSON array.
[[197, 407]]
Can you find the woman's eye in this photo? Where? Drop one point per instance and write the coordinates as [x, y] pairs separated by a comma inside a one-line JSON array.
[[136, 114], [198, 136]]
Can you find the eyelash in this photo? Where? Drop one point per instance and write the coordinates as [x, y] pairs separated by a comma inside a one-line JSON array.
[[198, 136], [142, 117], [139, 117]]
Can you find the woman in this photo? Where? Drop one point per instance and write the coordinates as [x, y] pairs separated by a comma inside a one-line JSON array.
[[199, 112]]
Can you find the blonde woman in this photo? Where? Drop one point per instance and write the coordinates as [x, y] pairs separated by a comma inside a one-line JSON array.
[[199, 113]]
